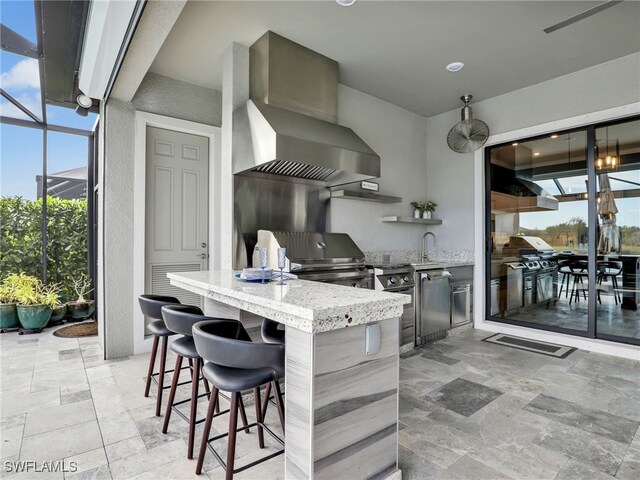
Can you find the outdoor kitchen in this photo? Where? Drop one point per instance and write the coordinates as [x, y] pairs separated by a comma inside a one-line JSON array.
[[327, 239]]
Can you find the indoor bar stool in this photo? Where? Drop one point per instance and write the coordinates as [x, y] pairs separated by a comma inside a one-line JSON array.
[[235, 365], [565, 270], [180, 319], [579, 272], [611, 270], [150, 306]]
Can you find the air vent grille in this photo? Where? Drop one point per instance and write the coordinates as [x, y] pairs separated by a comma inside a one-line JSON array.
[[160, 283], [297, 170]]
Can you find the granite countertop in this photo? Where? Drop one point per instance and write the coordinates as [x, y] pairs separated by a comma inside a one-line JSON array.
[[429, 265], [302, 304]]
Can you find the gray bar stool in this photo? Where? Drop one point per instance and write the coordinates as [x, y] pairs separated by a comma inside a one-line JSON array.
[[272, 332], [150, 306], [234, 365], [180, 319]]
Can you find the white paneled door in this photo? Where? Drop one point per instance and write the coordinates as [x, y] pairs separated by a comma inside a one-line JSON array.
[[177, 192]]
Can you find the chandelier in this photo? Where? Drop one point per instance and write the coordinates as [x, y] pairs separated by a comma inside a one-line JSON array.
[[607, 154]]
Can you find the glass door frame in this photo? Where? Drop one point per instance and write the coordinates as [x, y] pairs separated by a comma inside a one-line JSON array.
[[592, 254]]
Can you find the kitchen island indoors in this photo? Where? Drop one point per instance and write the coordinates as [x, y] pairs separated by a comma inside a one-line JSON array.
[[341, 383]]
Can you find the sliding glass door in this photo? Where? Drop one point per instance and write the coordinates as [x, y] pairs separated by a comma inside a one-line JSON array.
[[617, 165], [563, 232]]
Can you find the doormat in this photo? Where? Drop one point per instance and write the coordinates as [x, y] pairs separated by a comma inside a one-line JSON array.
[[535, 346], [85, 329]]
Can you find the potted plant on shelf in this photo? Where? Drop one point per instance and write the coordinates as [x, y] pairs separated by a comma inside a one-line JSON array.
[[428, 209], [418, 207], [82, 308], [8, 310], [35, 302]]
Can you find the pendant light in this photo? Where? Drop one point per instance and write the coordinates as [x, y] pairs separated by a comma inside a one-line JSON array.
[[608, 158]]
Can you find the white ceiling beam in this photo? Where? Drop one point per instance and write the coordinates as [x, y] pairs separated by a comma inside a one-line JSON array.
[[105, 32], [152, 30]]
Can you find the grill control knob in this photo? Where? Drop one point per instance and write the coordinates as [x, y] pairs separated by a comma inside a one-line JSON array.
[[405, 279], [392, 280]]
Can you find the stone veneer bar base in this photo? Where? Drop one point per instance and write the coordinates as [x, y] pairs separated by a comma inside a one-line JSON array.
[[341, 415]]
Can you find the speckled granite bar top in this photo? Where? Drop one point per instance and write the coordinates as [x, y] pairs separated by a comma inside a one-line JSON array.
[[302, 304]]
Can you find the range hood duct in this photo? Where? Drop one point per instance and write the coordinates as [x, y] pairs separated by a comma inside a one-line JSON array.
[[284, 128]]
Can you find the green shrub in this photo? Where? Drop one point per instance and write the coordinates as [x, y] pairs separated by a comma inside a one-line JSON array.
[[21, 239]]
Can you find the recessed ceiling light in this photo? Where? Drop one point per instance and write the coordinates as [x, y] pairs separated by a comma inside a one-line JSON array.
[[555, 135], [455, 66], [345, 3], [536, 154], [515, 144]]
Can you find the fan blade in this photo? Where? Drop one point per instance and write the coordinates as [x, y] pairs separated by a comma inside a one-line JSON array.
[[582, 16]]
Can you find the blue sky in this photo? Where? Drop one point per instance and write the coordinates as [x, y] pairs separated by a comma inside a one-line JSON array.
[[21, 148]]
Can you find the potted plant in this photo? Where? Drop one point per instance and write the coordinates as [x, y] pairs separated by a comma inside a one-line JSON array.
[[59, 308], [82, 307], [428, 209], [35, 302], [417, 209], [8, 310]]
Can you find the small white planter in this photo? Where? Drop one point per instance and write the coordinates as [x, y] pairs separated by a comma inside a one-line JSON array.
[[416, 213], [426, 215]]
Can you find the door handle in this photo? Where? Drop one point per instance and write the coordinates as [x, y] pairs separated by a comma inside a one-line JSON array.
[[203, 256], [203, 244]]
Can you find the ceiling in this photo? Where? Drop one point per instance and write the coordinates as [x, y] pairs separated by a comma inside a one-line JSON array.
[[397, 51]]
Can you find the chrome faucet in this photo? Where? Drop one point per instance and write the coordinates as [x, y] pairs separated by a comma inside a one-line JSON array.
[[425, 252]]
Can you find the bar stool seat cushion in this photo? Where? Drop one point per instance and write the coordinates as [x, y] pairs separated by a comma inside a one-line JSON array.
[[185, 347], [159, 329], [238, 379]]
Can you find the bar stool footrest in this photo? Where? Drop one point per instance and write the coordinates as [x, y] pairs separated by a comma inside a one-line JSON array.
[[166, 372], [223, 464]]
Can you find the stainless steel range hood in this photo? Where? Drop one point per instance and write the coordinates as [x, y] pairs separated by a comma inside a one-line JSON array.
[[283, 130]]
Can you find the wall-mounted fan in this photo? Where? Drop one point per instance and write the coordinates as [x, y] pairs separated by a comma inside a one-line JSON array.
[[469, 134], [582, 16]]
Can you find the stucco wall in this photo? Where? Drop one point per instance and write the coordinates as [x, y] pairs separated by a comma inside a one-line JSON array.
[[117, 227], [159, 95], [450, 177], [174, 98], [399, 137]]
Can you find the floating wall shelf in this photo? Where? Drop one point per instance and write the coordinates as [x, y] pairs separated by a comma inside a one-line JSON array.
[[420, 221], [365, 196]]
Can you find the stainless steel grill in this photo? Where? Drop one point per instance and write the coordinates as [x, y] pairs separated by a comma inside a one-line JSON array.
[[323, 257]]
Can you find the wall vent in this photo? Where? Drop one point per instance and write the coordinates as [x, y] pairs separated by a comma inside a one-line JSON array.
[[160, 283]]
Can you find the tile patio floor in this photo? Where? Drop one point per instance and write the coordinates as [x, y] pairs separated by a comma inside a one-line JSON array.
[[468, 410]]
